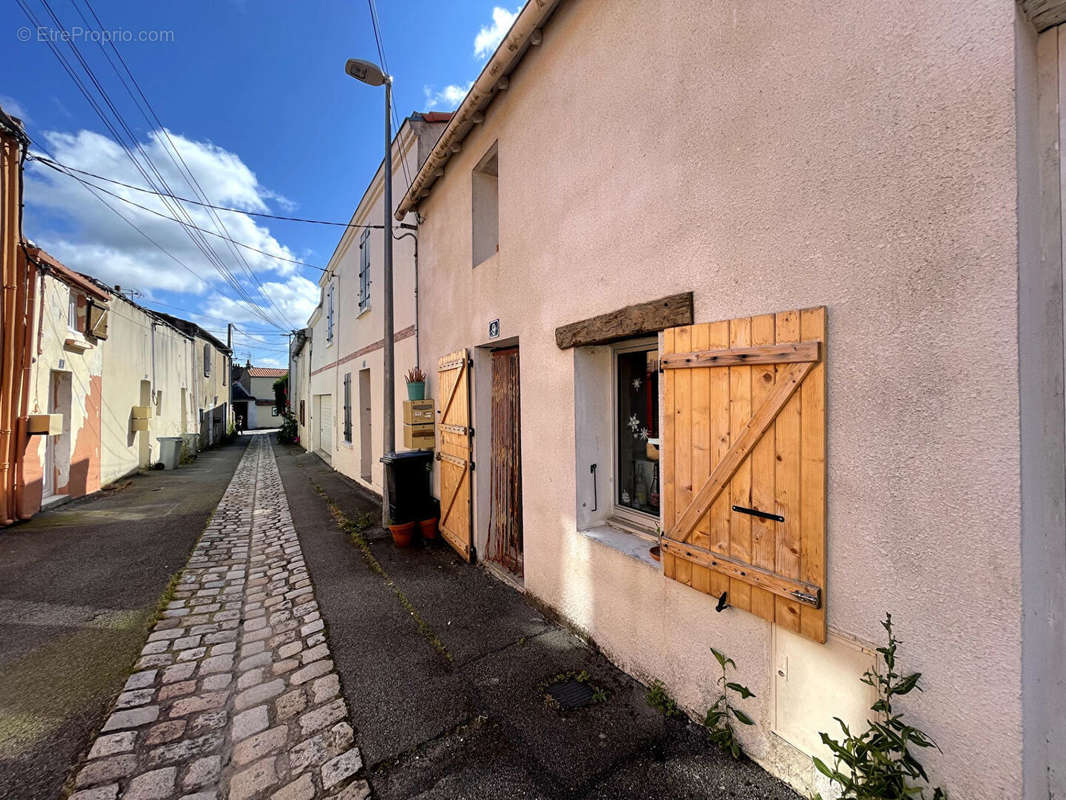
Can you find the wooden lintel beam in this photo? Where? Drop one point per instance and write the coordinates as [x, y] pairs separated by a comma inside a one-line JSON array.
[[785, 353], [798, 591], [636, 320]]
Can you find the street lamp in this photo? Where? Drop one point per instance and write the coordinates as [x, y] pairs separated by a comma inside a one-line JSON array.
[[371, 74]]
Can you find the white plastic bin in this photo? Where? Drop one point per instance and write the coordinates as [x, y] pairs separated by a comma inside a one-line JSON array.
[[170, 451]]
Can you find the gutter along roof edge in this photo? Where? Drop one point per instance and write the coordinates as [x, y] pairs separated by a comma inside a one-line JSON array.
[[503, 62]]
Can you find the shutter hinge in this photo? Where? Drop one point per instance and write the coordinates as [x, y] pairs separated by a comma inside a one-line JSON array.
[[807, 597], [660, 366], [470, 431], [471, 466]]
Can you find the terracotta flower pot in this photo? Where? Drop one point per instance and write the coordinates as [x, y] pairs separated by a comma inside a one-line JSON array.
[[429, 528], [403, 535]]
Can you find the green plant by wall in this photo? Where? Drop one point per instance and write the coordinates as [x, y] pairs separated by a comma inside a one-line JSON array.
[[719, 719], [289, 432], [658, 697], [878, 763]]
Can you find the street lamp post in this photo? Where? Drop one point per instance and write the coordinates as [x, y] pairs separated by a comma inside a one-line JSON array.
[[372, 75]]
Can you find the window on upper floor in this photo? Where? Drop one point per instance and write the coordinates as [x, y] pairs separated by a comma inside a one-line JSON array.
[[364, 270], [207, 361], [72, 310], [329, 313], [485, 207]]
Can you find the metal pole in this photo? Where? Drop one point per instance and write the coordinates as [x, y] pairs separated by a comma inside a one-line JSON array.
[[389, 377]]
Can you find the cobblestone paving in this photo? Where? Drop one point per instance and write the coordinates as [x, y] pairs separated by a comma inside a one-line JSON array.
[[235, 694]]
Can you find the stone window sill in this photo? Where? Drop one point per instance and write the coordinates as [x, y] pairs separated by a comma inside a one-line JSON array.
[[627, 544]]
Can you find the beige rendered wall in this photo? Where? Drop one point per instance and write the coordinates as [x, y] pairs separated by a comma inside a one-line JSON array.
[[209, 391], [771, 156], [78, 472], [141, 349], [358, 334]]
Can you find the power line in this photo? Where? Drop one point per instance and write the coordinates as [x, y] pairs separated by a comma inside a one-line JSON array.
[[198, 241], [375, 23], [59, 166], [188, 175], [186, 224]]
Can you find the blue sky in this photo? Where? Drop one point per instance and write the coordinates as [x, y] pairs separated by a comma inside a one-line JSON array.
[[255, 100]]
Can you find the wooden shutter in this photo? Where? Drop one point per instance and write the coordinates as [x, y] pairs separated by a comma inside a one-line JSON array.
[[97, 320], [347, 406], [744, 431], [454, 452]]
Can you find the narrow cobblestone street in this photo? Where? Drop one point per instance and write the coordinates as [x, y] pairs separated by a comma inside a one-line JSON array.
[[235, 693]]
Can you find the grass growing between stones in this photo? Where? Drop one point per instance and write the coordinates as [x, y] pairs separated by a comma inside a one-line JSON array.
[[354, 530]]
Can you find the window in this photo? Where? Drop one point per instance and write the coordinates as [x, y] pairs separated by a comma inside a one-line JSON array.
[[329, 313], [225, 369], [485, 207], [72, 311], [636, 387], [348, 407], [302, 413], [207, 361], [364, 271]]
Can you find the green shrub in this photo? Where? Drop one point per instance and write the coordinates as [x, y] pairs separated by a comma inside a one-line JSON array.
[[290, 430], [878, 764]]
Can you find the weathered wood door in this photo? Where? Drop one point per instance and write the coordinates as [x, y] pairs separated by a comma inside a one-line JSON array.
[[505, 521], [454, 452], [743, 464]]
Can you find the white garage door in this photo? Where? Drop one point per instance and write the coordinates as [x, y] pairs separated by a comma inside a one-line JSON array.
[[325, 422]]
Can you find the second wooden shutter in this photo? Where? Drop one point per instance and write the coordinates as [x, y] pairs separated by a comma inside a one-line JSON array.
[[743, 464], [454, 452]]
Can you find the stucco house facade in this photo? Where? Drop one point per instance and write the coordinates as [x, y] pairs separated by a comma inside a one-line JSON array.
[[107, 378], [209, 381], [257, 403], [148, 372], [338, 401], [856, 209]]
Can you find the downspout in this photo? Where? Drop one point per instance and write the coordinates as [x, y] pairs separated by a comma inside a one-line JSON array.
[[414, 236]]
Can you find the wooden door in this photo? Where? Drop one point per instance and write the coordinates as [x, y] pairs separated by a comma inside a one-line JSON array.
[[505, 520], [454, 452], [743, 464]]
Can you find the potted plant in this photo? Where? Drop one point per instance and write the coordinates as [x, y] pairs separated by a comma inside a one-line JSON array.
[[428, 525], [416, 383], [403, 533]]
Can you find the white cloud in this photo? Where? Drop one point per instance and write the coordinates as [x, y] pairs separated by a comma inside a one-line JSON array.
[[448, 98], [88, 237], [489, 38], [269, 361], [13, 108], [295, 299]]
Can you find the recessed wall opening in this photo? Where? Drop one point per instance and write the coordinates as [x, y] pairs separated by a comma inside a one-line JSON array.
[[485, 206]]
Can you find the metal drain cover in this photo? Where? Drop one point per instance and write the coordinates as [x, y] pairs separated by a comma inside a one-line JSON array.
[[571, 694]]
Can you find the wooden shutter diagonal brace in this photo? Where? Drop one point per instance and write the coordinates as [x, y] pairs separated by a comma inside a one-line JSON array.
[[455, 494], [451, 395], [676, 538]]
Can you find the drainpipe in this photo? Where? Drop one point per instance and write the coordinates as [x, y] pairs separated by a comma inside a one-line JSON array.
[[414, 236]]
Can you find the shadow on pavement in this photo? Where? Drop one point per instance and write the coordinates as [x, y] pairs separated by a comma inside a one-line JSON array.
[[474, 723], [78, 589]]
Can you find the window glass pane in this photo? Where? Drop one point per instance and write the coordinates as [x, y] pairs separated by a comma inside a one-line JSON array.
[[638, 421]]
